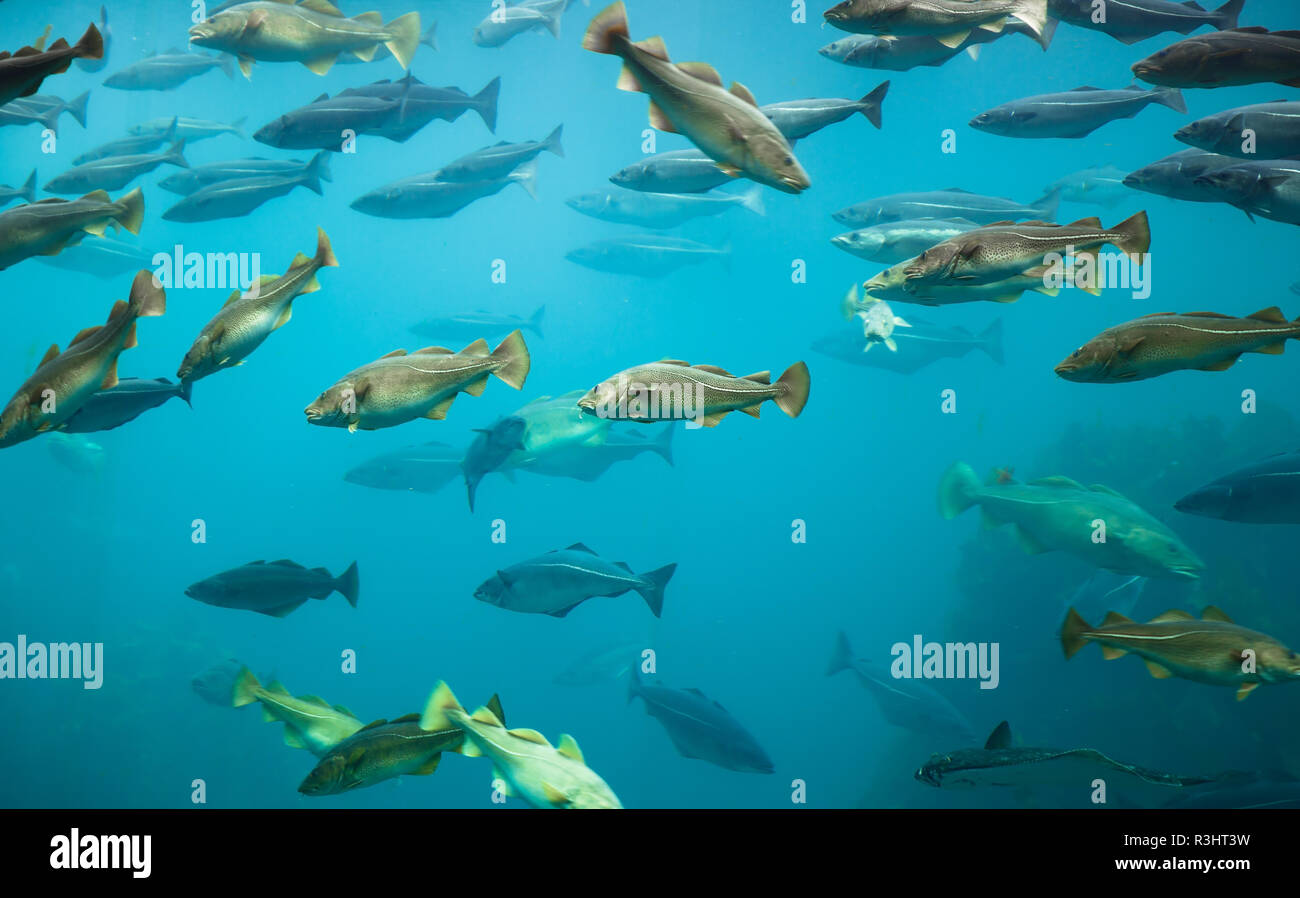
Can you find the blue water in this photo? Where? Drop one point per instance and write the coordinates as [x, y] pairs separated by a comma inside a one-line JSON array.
[[751, 616]]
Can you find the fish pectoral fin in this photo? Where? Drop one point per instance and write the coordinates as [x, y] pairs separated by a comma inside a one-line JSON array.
[[321, 64], [954, 40], [246, 65], [284, 317], [890, 344], [439, 411], [554, 795], [1221, 366], [1110, 652], [428, 766], [660, 120], [1159, 671], [1245, 690]]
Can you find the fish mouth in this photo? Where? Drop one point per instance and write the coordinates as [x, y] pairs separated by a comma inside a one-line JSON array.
[[189, 591], [1143, 69], [314, 414], [792, 184], [1065, 370], [1186, 572], [201, 31]]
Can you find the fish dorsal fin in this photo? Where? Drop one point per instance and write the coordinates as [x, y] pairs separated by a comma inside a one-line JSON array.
[[675, 362], [84, 333], [50, 354], [1272, 315], [434, 350], [394, 354], [702, 71], [999, 224], [1057, 482], [1089, 222], [713, 369], [1204, 315], [277, 688], [230, 300], [343, 709], [579, 547], [740, 91], [1114, 617], [654, 46], [1162, 315], [478, 348], [1213, 612], [529, 736], [1172, 614], [406, 718], [285, 562], [374, 723], [314, 700], [569, 748], [759, 377], [624, 566], [1102, 488], [999, 738], [1085, 87], [322, 6], [693, 691]]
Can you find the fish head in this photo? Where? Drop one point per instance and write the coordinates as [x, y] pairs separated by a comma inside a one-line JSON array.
[[1200, 133], [272, 133], [937, 262], [864, 242], [336, 407], [633, 174], [591, 798], [1275, 662], [773, 162], [378, 202], [1093, 361], [493, 590], [860, 52], [509, 434], [1142, 178], [890, 279], [222, 31], [601, 398], [206, 590], [1209, 501], [932, 771], [995, 121], [752, 759], [198, 361], [590, 203], [1158, 552], [852, 14], [328, 777], [1167, 67]]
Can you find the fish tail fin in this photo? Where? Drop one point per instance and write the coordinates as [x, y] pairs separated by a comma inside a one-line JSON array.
[[91, 45], [435, 710], [795, 384], [324, 252], [310, 179], [1225, 17], [349, 583], [872, 102], [320, 166], [1047, 205], [28, 191], [513, 353], [430, 37], [664, 444], [244, 691], [1072, 638], [526, 177], [148, 299], [841, 655], [606, 29], [1137, 234], [552, 141], [132, 214], [991, 341], [553, 18], [653, 591], [1171, 97], [1034, 14], [752, 200], [50, 118], [77, 108], [405, 37], [485, 103], [175, 155], [957, 489], [237, 126], [633, 682]]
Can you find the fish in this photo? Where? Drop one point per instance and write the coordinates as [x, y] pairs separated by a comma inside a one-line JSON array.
[[700, 728], [64, 381], [46, 227], [920, 345], [1073, 114], [507, 22], [421, 469], [902, 53], [1269, 187], [1227, 58], [276, 588], [188, 129], [22, 72], [661, 210], [115, 172], [588, 462], [670, 389], [216, 684], [554, 424], [322, 123], [878, 319], [561, 580], [1267, 492], [427, 196], [428, 103], [999, 251], [1163, 342], [950, 203], [523, 761], [310, 722], [1175, 644], [167, 71], [489, 450], [128, 400], [1058, 514], [689, 99], [906, 703], [93, 63], [647, 255], [399, 387], [132, 145], [239, 197], [600, 666], [501, 159], [892, 285], [897, 241], [797, 119], [46, 109], [196, 177], [76, 453], [466, 326], [1274, 127], [247, 319], [676, 171], [1100, 186], [998, 763], [312, 32], [948, 21], [383, 750], [1177, 176], [27, 192], [103, 257], [1131, 21]]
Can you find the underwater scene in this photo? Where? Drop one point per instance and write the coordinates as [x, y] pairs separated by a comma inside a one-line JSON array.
[[664, 404]]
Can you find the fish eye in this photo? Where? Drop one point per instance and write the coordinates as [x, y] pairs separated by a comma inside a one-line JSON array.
[[789, 160]]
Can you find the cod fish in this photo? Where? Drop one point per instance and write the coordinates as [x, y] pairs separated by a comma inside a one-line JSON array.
[[689, 99], [46, 227], [275, 589], [671, 390], [26, 193], [998, 763], [1072, 114], [700, 728], [399, 387], [1163, 342], [543, 775], [470, 324], [1000, 251], [647, 255], [1178, 176], [660, 210], [878, 319], [559, 581], [197, 177], [383, 750], [897, 241], [490, 449], [420, 469], [892, 285], [950, 203], [1175, 644], [506, 22], [1275, 128], [1058, 514], [247, 319], [312, 32], [310, 722], [1131, 21], [22, 72], [65, 381], [949, 22], [167, 71], [797, 119], [920, 345], [115, 172], [237, 198], [906, 703], [1267, 492], [1226, 59], [131, 398]]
